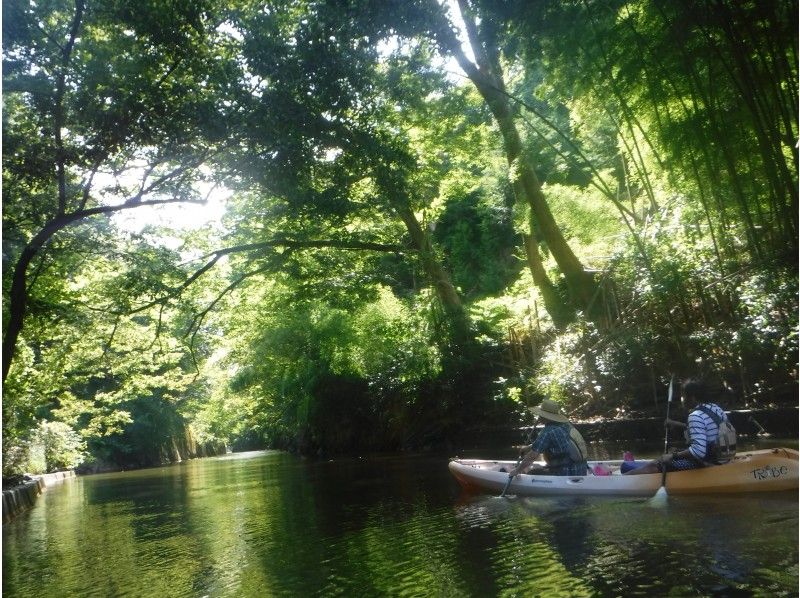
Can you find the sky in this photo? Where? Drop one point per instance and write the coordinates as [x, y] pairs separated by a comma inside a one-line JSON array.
[[181, 217]]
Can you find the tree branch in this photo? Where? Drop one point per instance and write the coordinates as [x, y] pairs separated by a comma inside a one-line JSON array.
[[288, 244], [319, 243], [197, 320], [58, 109]]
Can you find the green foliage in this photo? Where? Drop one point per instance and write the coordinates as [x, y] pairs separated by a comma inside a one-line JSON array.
[[684, 319], [306, 365], [21, 456], [588, 220], [63, 447], [478, 241], [686, 90], [50, 446], [82, 362], [761, 346], [314, 377], [149, 437], [392, 348], [365, 180]]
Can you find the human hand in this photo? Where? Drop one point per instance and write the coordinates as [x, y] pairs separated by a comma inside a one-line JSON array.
[[666, 458]]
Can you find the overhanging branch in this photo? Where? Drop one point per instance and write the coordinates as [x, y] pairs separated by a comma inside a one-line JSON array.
[[290, 244], [198, 318]]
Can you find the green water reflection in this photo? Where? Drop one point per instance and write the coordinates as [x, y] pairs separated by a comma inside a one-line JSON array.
[[271, 524]]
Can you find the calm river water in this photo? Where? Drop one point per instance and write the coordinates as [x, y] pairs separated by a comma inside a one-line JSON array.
[[272, 524]]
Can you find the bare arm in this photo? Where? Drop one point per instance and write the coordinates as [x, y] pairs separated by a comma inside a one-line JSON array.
[[529, 457]]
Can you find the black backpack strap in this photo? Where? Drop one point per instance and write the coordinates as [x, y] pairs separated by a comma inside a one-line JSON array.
[[712, 414]]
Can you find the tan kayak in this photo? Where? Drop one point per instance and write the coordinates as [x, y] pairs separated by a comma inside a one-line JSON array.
[[767, 470]]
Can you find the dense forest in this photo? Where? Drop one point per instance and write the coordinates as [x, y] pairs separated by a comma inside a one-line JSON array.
[[436, 214]]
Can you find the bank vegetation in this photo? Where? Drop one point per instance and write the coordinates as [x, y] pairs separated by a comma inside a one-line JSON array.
[[435, 215]]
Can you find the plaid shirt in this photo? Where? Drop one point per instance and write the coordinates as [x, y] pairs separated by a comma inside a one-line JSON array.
[[553, 442]]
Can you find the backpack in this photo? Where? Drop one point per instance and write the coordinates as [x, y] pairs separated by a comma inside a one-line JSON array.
[[576, 450], [577, 445], [724, 449]]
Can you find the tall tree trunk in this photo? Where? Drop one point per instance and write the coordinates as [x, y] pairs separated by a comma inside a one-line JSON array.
[[553, 302], [487, 77], [17, 305], [18, 293], [434, 270]]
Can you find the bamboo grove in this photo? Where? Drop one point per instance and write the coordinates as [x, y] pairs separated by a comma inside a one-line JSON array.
[[436, 213]]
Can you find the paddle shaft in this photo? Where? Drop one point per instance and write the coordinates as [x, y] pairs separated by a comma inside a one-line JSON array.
[[666, 434], [510, 476], [531, 438]]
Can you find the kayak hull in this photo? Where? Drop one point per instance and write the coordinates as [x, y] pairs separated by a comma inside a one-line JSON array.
[[769, 470]]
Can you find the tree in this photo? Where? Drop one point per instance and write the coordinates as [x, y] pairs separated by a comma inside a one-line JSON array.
[[366, 276], [487, 75], [117, 99], [689, 104], [322, 135]]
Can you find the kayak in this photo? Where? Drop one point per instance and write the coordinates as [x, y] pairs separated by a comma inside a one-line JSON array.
[[766, 470]]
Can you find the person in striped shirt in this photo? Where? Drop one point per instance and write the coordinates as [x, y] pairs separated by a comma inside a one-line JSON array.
[[701, 434]]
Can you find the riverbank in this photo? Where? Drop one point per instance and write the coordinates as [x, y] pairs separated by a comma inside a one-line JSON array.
[[22, 497], [175, 451]]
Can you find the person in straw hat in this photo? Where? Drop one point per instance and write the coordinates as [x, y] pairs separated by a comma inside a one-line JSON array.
[[561, 445]]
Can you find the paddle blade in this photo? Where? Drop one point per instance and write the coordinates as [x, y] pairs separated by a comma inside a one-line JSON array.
[[660, 498], [508, 483]]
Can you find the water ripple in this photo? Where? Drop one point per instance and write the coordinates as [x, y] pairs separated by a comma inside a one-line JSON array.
[[273, 525]]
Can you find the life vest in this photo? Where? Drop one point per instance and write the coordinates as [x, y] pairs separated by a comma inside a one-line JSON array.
[[724, 448]]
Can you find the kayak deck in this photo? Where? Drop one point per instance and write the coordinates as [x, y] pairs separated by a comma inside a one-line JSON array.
[[766, 470]]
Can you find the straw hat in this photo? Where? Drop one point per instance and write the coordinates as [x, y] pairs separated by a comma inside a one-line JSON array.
[[550, 410]]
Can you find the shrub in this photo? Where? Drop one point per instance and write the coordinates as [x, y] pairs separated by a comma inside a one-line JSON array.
[[22, 456], [63, 446]]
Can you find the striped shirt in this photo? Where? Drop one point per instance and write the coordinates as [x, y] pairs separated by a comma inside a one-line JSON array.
[[703, 431]]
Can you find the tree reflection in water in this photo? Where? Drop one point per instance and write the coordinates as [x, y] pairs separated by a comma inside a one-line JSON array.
[[266, 524]]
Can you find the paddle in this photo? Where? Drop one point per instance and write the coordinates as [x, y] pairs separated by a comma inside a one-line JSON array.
[[662, 491], [531, 437], [511, 476], [761, 430]]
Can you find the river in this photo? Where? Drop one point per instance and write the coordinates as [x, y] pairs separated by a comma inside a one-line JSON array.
[[273, 524]]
